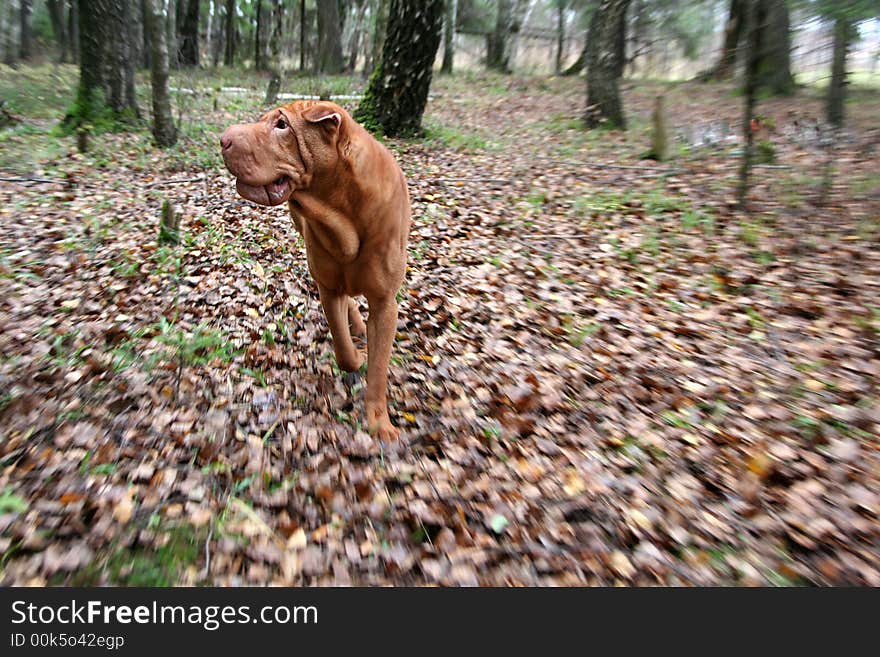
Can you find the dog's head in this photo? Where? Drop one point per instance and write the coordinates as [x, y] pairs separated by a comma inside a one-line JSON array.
[[285, 150]]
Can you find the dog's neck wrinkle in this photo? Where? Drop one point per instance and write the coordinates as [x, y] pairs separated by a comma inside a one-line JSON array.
[[329, 223]]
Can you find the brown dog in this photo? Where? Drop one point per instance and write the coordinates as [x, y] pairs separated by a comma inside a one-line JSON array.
[[349, 200]]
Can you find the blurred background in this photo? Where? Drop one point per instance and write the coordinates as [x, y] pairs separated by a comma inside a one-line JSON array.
[[638, 340]]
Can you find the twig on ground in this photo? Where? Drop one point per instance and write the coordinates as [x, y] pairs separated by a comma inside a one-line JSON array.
[[174, 182]]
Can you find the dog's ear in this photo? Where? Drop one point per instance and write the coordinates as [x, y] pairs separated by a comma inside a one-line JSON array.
[[327, 115]]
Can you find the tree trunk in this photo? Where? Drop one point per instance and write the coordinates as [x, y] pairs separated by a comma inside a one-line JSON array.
[[560, 35], [302, 35], [93, 36], [726, 63], [604, 68], [121, 97], [188, 53], [172, 9], [275, 52], [73, 30], [146, 46], [581, 63], [354, 48], [164, 131], [498, 42], [398, 90], [380, 26], [10, 48], [754, 18], [59, 27], [329, 38], [774, 67], [229, 56], [620, 44], [24, 33], [449, 18], [137, 30], [260, 63], [836, 101]]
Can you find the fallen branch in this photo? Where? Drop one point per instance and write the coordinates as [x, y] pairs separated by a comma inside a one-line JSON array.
[[174, 182], [38, 181]]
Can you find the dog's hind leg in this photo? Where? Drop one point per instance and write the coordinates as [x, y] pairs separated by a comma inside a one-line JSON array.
[[355, 320], [336, 308]]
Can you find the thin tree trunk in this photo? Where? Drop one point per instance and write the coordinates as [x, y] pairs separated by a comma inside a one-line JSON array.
[[380, 26], [396, 96], [146, 46], [754, 19], [189, 35], [122, 95], [73, 30], [275, 52], [836, 101], [10, 48], [604, 106], [136, 31], [302, 35], [329, 38], [164, 131], [59, 27], [259, 38], [560, 35], [498, 42], [354, 41], [449, 18], [581, 62], [733, 30], [229, 57], [171, 27], [25, 49]]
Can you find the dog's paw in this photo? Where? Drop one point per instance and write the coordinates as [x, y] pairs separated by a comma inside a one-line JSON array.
[[385, 431]]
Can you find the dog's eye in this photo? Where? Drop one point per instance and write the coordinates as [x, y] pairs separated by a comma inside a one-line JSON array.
[[281, 123]]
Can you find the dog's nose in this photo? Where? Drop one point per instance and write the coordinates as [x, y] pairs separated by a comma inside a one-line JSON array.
[[225, 141]]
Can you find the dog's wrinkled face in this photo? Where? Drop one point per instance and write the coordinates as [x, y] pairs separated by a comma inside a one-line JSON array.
[[284, 150]]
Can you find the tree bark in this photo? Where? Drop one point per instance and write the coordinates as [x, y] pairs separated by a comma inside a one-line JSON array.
[[146, 46], [73, 30], [229, 56], [275, 52], [93, 33], [449, 18], [604, 106], [188, 52], [726, 63], [25, 49], [356, 36], [59, 27], [10, 48], [122, 96], [395, 99], [755, 16], [560, 35], [836, 100], [329, 38], [774, 67], [581, 62], [136, 30], [164, 131], [380, 27], [302, 35], [498, 42]]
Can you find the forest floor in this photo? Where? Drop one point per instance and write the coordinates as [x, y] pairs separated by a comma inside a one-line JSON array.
[[604, 373]]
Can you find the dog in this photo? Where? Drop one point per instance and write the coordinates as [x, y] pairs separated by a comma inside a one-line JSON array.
[[348, 198]]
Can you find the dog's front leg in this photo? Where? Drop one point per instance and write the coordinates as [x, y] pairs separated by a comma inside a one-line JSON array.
[[381, 327]]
